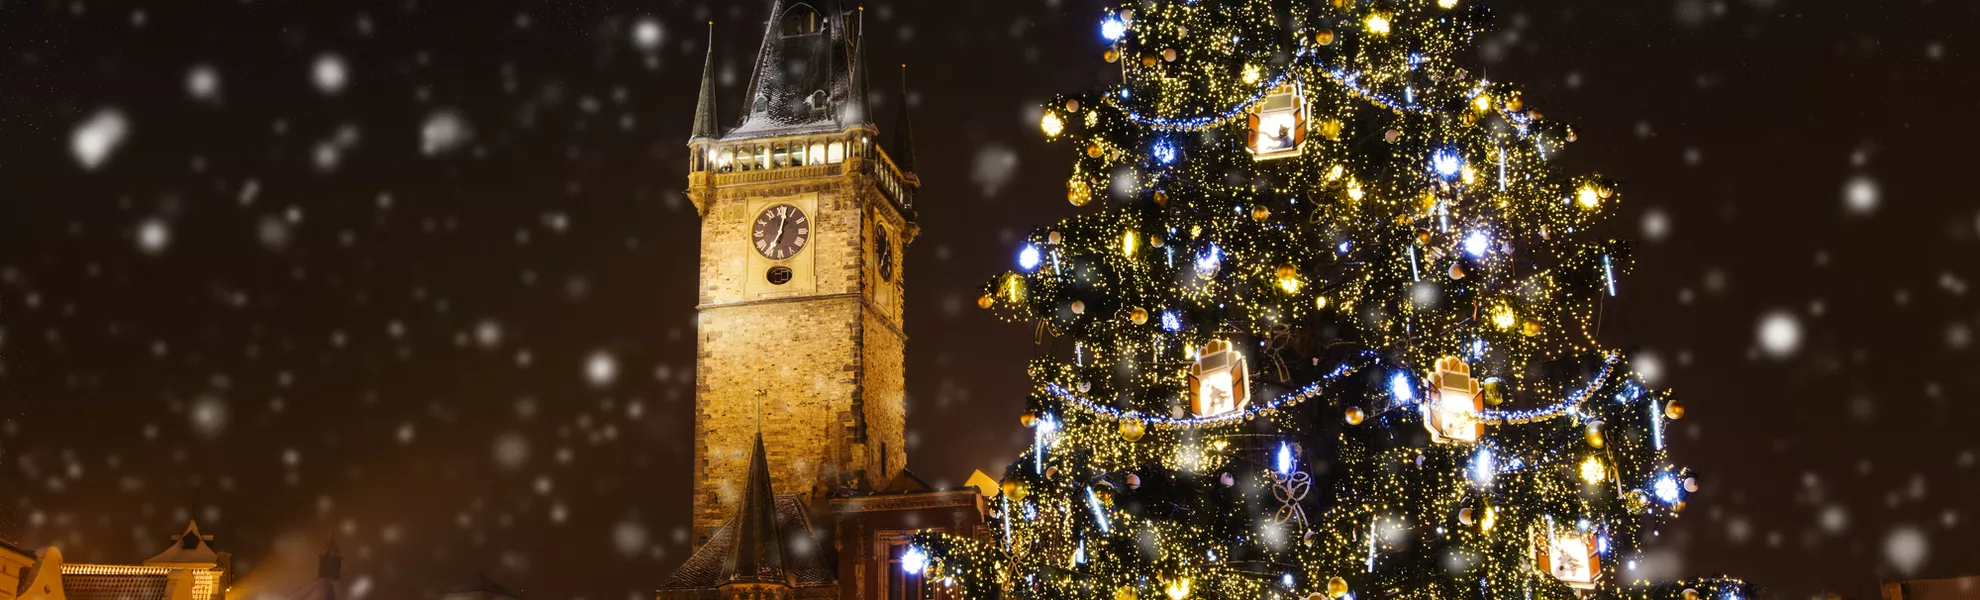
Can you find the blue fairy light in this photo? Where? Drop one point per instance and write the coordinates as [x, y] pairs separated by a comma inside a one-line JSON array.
[[1113, 28], [1171, 322], [1482, 467], [1477, 244], [1285, 458], [1343, 248], [1401, 388], [1209, 260], [914, 560], [1028, 258], [1666, 488], [1165, 152], [1447, 163]]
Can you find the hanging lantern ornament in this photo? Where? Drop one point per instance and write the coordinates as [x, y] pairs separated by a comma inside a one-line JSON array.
[[1219, 380], [1453, 415], [1133, 429], [1277, 123]]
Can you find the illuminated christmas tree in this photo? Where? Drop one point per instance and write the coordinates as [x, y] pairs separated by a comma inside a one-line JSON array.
[[1326, 327]]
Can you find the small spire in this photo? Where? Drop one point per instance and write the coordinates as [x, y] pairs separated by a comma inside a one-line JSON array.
[[856, 105], [903, 150], [758, 553], [331, 564], [705, 126]]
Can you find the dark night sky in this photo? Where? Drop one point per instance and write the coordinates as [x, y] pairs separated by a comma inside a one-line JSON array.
[[279, 307]]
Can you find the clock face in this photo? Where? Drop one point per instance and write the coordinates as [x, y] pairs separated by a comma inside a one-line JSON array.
[[883, 253], [780, 231]]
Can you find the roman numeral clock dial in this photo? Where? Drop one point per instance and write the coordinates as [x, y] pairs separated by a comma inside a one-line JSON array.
[[780, 231]]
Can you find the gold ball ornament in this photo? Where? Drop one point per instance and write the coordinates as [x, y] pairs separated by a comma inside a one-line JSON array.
[[1336, 587], [1111, 55], [1457, 271], [1133, 429], [1016, 490], [1126, 593], [1638, 499], [1530, 328], [1161, 198], [985, 301], [1260, 213], [1079, 307], [1072, 105], [1169, 55], [1287, 271], [1494, 390], [1138, 316], [1053, 238], [1133, 481], [1078, 193], [1464, 516], [1691, 484], [1690, 594], [1594, 434], [1468, 119], [1674, 410], [1093, 150], [1355, 416], [1392, 136], [1678, 506], [1148, 60], [1324, 37], [1157, 240], [1028, 419]]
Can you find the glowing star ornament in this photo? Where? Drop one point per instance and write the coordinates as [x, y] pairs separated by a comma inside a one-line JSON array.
[[1277, 123], [1378, 23], [1447, 163], [1029, 257], [1113, 28], [1569, 556], [1219, 380], [1452, 416], [1592, 470], [1051, 124], [914, 560]]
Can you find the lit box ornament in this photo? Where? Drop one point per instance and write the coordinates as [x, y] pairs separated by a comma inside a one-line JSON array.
[[1278, 123], [1453, 415], [1219, 380], [1569, 556]]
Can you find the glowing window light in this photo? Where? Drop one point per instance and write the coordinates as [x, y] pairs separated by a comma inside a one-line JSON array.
[[1666, 488], [1477, 244], [1028, 258], [1447, 163], [914, 560], [1285, 463], [1401, 388], [1113, 28]]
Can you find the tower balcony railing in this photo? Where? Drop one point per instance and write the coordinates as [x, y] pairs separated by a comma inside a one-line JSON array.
[[745, 162]]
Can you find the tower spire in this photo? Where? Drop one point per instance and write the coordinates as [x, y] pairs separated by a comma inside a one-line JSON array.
[[856, 97], [903, 150], [705, 125], [758, 552]]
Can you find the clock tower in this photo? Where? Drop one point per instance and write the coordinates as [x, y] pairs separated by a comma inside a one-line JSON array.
[[805, 215]]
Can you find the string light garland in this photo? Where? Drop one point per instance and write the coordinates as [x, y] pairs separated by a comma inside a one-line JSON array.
[[1306, 235]]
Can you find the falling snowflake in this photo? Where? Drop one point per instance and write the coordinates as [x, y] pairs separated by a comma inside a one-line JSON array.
[[488, 334], [511, 450], [1861, 195], [1656, 224], [1906, 548], [208, 416], [646, 34], [994, 168], [629, 538], [97, 137], [1779, 333], [445, 130], [153, 236], [203, 83], [329, 74], [600, 369]]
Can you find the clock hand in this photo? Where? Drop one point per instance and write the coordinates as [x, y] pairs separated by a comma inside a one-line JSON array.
[[780, 230]]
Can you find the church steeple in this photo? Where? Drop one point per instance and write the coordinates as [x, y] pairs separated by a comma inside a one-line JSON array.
[[903, 148], [705, 124], [758, 554]]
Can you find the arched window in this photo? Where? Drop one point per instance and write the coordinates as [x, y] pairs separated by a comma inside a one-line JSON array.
[[800, 20]]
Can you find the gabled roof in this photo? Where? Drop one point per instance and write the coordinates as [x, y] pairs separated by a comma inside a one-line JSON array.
[[189, 548], [137, 583], [769, 540], [803, 82]]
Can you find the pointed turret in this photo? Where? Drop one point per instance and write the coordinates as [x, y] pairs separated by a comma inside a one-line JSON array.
[[331, 564], [705, 123], [856, 103], [758, 554], [903, 148]]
